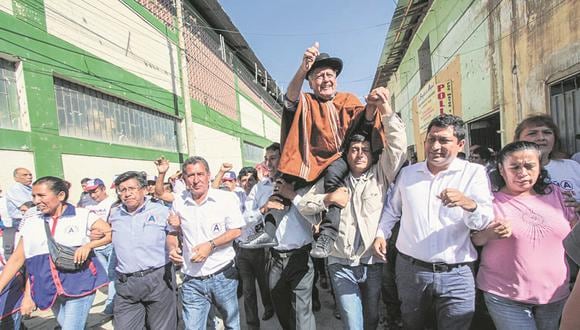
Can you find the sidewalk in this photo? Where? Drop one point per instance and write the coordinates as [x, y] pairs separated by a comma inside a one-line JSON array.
[[324, 318]]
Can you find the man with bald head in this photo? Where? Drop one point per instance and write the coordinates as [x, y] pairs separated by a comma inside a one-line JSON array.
[[18, 194]]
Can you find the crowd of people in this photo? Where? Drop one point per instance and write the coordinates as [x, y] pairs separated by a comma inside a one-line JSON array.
[[336, 195]]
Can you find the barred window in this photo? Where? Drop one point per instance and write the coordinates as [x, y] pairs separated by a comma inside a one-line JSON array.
[[10, 114], [253, 153], [89, 114]]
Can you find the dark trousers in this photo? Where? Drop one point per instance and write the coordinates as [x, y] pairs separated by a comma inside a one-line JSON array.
[[252, 266], [333, 179], [147, 302], [8, 237], [389, 285], [291, 279]]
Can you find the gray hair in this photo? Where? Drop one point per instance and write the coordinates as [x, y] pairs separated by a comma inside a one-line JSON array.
[[195, 160]]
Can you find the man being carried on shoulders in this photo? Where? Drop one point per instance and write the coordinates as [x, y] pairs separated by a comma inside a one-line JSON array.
[[314, 126]]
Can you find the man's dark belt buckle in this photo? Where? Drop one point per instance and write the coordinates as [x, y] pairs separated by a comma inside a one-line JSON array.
[[440, 267], [123, 277]]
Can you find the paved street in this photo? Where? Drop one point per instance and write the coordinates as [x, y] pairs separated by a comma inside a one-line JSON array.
[[45, 320]]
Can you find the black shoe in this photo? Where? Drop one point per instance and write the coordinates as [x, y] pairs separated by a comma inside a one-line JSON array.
[[316, 305], [259, 240], [336, 314], [324, 282], [267, 315], [322, 247]]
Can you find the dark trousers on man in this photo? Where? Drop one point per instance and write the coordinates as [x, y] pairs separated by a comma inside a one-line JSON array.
[[252, 266], [448, 291], [291, 279], [146, 301]]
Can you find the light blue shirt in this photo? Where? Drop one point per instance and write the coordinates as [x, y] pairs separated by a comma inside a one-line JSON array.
[[139, 237], [17, 195]]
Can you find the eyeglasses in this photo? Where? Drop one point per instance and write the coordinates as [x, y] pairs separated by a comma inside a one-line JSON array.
[[127, 190]]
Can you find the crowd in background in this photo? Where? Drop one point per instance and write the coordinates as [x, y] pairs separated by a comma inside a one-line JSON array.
[[443, 242]]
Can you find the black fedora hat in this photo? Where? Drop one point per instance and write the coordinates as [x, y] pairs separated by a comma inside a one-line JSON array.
[[324, 60]]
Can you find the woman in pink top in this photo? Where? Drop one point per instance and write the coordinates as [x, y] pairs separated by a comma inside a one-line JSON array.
[[524, 277]]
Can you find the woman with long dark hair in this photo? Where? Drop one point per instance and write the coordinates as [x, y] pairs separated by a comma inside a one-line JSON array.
[[70, 293], [524, 277]]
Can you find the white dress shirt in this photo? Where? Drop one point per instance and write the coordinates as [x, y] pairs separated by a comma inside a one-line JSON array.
[[429, 230], [293, 230], [215, 215], [257, 197]]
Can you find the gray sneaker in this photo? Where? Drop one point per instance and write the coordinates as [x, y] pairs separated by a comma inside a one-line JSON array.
[[259, 240], [322, 247]]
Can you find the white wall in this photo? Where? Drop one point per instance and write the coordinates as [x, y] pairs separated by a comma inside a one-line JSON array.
[[251, 116], [115, 33], [217, 148], [6, 6], [12, 160], [77, 167], [272, 129]]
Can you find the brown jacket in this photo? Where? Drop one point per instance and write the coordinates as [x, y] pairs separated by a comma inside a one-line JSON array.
[[313, 134]]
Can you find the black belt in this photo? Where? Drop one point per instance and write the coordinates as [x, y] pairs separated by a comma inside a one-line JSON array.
[[123, 276], [289, 253], [221, 270], [436, 267]]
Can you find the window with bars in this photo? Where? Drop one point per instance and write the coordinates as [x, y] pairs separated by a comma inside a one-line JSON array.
[[253, 153], [565, 110], [90, 114], [10, 110]]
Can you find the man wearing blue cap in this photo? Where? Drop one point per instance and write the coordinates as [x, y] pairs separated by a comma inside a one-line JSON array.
[[97, 190]]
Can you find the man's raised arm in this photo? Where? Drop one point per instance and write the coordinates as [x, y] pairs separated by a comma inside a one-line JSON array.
[[293, 91], [162, 165]]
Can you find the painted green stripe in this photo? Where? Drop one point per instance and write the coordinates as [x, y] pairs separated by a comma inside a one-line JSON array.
[[31, 12]]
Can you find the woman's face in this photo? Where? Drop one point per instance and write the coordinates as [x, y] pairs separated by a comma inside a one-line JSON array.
[[46, 200], [520, 171], [541, 135]]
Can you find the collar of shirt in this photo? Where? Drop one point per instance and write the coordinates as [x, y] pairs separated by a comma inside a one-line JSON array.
[[188, 197], [28, 188], [363, 177], [138, 210], [69, 211], [455, 166]]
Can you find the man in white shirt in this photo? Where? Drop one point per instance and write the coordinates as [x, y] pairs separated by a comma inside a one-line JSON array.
[[16, 196], [291, 271], [438, 202], [210, 221], [97, 191]]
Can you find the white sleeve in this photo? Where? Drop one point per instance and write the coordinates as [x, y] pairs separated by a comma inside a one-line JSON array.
[[391, 213], [479, 190], [234, 217]]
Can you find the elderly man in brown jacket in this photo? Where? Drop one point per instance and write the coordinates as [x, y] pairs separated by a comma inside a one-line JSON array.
[[314, 126], [355, 273]]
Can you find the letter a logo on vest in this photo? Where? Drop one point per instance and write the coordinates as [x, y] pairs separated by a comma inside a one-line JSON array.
[[151, 219]]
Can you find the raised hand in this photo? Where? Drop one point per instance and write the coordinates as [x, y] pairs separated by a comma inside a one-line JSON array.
[[310, 56], [226, 167], [162, 165]]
